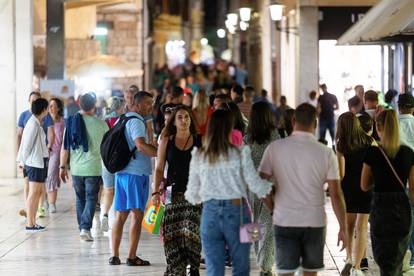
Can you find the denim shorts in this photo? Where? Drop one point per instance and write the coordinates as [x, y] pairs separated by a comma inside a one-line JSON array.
[[108, 178], [299, 246]]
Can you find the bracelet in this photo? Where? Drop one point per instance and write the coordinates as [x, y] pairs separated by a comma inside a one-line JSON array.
[[62, 167], [155, 193]]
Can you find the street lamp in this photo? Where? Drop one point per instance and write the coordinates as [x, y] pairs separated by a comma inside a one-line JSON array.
[[243, 25], [245, 14], [221, 33], [232, 18], [276, 12], [228, 24]]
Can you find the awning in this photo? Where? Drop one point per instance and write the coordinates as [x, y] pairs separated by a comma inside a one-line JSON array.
[[389, 20], [104, 66]]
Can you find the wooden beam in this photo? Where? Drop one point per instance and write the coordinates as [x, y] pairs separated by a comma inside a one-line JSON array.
[[337, 3], [73, 4]]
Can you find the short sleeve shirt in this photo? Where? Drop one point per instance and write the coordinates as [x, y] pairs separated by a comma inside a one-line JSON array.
[[327, 102], [384, 178], [25, 116], [135, 128], [300, 166], [89, 163]]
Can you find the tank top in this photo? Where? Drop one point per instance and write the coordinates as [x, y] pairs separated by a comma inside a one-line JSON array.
[[179, 164]]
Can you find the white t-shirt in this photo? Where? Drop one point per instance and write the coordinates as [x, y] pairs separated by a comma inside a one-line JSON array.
[[300, 166]]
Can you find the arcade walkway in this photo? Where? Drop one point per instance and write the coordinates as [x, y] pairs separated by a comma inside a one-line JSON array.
[[58, 251]]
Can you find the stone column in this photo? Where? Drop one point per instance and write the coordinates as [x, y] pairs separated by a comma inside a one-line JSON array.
[[307, 76], [267, 44], [55, 39], [254, 48], [7, 80], [24, 50]]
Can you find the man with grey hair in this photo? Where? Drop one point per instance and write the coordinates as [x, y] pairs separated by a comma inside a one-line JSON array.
[[132, 182], [82, 139]]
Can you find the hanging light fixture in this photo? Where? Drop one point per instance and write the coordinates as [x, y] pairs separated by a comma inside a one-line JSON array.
[[243, 25], [233, 18], [276, 11], [245, 14], [228, 24]]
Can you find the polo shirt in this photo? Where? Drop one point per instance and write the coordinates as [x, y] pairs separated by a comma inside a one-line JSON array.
[[300, 167]]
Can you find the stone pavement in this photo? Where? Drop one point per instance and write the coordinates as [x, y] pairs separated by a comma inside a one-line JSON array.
[[58, 251]]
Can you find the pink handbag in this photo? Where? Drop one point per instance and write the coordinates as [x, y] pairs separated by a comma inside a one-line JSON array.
[[253, 231], [250, 232]]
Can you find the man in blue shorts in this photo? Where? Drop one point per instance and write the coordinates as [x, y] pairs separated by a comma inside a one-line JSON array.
[[132, 183], [47, 125]]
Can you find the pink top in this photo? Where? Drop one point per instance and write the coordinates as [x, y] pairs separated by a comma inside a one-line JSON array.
[[58, 128], [236, 137]]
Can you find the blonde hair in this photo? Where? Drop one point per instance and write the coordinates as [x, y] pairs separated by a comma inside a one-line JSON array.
[[390, 138], [201, 104], [350, 136]]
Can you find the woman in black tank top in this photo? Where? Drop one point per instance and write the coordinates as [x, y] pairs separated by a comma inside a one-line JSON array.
[[181, 222]]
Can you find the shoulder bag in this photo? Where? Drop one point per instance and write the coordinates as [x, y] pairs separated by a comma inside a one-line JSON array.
[[253, 231]]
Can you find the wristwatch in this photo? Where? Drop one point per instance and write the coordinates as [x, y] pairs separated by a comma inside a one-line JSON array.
[[62, 167]]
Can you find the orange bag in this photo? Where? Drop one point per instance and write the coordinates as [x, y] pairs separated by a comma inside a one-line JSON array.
[[153, 217]]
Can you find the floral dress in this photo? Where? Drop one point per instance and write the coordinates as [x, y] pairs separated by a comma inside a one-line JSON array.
[[265, 248]]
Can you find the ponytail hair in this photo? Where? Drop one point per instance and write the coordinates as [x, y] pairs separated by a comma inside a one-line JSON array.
[[390, 139]]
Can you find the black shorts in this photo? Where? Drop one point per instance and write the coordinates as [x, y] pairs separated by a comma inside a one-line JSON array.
[[299, 246], [36, 174]]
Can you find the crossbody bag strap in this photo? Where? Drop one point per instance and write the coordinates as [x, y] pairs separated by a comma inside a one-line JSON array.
[[35, 139], [392, 167], [241, 199]]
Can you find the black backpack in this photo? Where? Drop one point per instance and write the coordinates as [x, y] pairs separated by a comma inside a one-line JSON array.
[[115, 150]]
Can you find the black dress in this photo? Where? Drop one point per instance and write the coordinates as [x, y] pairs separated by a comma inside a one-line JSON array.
[[390, 217], [181, 223], [357, 201]]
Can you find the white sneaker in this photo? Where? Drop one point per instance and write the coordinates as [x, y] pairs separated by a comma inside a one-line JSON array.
[[52, 208], [357, 272], [85, 235], [104, 224], [406, 261]]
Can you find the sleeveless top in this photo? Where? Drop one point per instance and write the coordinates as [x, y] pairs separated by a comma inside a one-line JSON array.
[[179, 164]]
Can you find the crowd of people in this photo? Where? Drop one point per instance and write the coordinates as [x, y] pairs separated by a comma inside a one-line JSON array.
[[227, 159]]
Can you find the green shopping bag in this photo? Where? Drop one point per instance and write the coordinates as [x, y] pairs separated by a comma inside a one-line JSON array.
[[153, 218]]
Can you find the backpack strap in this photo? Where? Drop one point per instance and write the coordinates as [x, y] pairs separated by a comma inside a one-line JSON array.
[[124, 119]]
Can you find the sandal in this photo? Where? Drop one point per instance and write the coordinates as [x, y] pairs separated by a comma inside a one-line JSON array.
[[114, 260], [137, 262]]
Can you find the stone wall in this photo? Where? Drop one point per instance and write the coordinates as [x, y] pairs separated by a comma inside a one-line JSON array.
[[124, 41], [77, 50]]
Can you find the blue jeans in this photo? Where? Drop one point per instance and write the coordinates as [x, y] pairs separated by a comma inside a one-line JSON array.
[[220, 223], [86, 189], [327, 124]]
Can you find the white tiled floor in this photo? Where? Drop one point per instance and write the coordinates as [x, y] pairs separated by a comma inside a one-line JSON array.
[[58, 251]]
